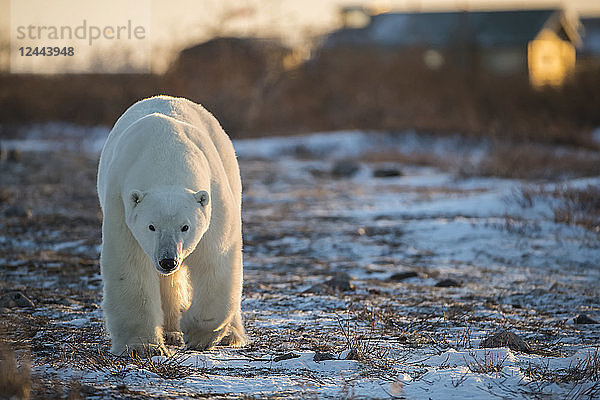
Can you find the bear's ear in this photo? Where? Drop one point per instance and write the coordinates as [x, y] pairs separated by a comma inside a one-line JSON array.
[[201, 197], [135, 197]]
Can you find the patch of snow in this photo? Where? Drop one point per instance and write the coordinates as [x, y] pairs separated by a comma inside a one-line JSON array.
[[58, 136], [67, 245], [79, 322], [353, 144]]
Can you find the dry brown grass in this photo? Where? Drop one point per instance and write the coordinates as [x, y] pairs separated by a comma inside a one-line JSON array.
[[584, 375], [507, 159], [579, 207], [535, 161], [488, 364], [15, 379], [573, 206], [100, 359], [363, 340]]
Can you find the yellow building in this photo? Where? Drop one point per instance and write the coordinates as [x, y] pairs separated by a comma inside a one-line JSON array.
[[551, 55]]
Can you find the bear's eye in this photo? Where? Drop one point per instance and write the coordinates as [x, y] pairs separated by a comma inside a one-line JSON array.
[[152, 228], [184, 228]]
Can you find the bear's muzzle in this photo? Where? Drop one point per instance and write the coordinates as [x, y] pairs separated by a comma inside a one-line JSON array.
[[168, 264]]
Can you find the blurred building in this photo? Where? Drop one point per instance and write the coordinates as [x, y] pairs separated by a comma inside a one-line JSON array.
[[540, 44], [589, 53]]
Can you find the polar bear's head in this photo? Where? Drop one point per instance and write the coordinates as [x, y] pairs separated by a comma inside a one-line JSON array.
[[167, 223]]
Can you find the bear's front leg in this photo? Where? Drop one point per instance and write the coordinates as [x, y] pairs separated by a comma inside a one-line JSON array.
[[206, 322], [175, 297], [132, 304], [214, 316], [204, 334]]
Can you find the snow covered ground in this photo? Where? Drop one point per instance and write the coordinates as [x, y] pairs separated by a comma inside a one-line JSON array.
[[356, 286]]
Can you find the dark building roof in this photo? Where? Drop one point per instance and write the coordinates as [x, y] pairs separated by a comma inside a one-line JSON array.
[[591, 35], [441, 29]]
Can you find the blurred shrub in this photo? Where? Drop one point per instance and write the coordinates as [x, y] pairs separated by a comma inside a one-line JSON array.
[[84, 99], [229, 76]]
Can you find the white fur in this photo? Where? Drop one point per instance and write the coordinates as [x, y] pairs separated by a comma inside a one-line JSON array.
[[159, 158]]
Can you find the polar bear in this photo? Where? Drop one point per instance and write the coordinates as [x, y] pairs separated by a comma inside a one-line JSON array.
[[170, 192]]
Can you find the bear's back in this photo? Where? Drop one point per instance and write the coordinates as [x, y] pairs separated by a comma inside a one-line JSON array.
[[182, 110]]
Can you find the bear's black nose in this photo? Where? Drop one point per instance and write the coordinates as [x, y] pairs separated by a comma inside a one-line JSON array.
[[168, 264]]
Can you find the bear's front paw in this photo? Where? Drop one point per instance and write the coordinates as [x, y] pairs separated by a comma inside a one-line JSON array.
[[234, 339], [200, 340], [173, 338]]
